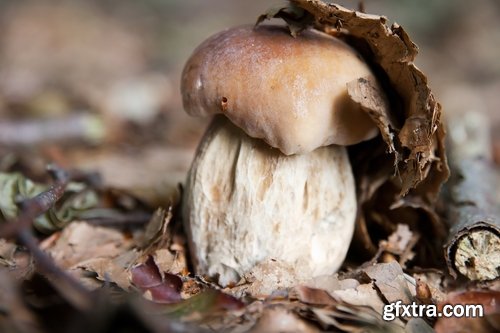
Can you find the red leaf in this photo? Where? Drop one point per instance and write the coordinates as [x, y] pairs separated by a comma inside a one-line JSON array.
[[147, 278]]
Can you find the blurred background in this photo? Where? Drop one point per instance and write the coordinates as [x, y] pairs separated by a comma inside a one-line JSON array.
[[95, 84]]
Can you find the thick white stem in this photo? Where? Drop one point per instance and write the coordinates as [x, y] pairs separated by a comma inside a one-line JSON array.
[[246, 203]]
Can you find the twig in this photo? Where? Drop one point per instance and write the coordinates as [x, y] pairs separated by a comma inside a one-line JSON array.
[[84, 127], [474, 241], [138, 219]]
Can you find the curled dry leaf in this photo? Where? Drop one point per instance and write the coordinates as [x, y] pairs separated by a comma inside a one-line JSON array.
[[348, 290], [409, 121], [372, 288], [158, 286]]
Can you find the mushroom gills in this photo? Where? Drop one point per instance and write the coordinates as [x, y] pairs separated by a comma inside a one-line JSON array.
[[247, 203]]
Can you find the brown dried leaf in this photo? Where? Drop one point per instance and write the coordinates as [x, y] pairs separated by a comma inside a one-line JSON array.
[[347, 291], [390, 281], [313, 296], [363, 295], [165, 243], [111, 270], [367, 94], [80, 242]]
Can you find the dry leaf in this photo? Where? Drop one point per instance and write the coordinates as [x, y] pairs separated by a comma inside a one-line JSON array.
[[80, 242], [160, 287], [390, 281], [347, 291], [113, 270], [350, 291]]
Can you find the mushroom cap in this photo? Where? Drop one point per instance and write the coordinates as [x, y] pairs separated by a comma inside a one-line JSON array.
[[291, 92]]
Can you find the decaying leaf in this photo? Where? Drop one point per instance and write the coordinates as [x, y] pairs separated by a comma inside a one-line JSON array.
[[156, 285], [366, 294], [409, 160], [391, 282], [82, 248], [15, 188], [347, 290]]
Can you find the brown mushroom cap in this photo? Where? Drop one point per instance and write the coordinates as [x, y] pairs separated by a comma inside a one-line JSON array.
[[291, 92]]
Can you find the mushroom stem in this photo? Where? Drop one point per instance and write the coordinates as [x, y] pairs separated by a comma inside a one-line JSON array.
[[246, 203]]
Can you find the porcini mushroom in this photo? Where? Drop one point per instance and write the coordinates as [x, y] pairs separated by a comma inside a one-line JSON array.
[[271, 180]]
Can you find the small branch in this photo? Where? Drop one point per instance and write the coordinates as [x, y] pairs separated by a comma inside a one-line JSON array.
[[474, 240], [137, 219], [86, 127]]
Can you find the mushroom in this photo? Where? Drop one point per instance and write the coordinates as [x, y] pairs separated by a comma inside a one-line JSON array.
[[271, 184]]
